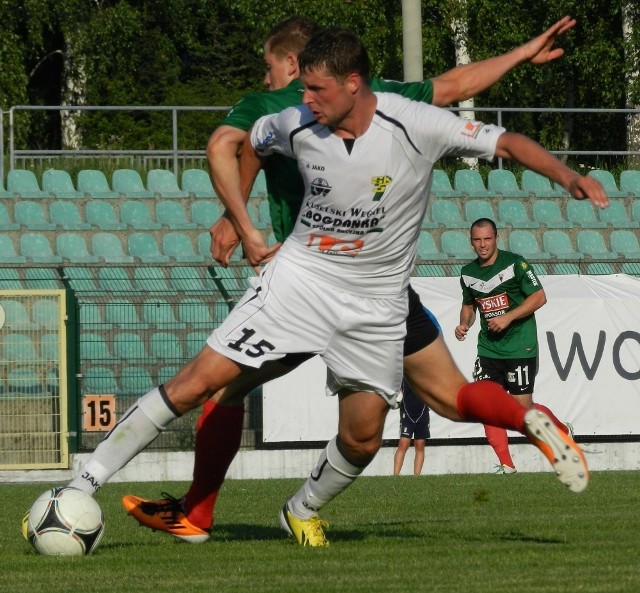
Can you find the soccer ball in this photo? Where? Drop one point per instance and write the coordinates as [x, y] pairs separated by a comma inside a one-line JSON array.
[[64, 522]]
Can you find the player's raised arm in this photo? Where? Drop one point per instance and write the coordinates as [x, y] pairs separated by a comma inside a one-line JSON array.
[[530, 154], [468, 80]]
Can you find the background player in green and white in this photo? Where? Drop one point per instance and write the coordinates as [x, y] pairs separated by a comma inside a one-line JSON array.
[[506, 292], [220, 426]]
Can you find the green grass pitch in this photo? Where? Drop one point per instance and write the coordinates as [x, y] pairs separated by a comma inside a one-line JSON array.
[[457, 533]]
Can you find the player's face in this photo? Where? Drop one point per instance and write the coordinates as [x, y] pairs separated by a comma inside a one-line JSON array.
[[279, 70], [329, 99], [485, 243]]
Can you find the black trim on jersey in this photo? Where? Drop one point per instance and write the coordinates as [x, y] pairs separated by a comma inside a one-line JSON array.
[[300, 129], [395, 122]]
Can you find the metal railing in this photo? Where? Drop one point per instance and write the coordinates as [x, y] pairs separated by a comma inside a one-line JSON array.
[[173, 155]]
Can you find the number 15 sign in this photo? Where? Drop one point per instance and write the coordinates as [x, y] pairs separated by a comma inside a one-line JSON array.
[[99, 412]]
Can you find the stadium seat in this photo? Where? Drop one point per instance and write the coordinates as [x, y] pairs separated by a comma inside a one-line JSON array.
[[172, 214], [108, 247], [194, 342], [565, 268], [24, 183], [42, 279], [197, 183], [8, 254], [99, 380], [159, 313], [32, 216], [456, 244], [608, 181], [36, 248], [630, 268], [4, 194], [166, 372], [178, 247], [82, 280], [446, 213], [72, 247], [253, 207], [526, 244], [91, 318], [540, 186], [191, 280], [59, 184], [10, 279], [514, 213], [165, 346], [143, 246], [427, 248], [600, 268], [45, 313], [150, 279], [441, 185], [123, 314], [259, 189], [196, 314], [635, 210], [616, 216], [204, 213], [128, 182], [264, 213], [548, 213], [203, 243], [163, 183], [470, 183], [583, 214], [50, 347], [591, 243], [94, 184], [102, 215], [504, 183], [7, 223], [226, 280], [115, 280], [129, 346], [137, 216], [67, 216], [17, 317], [24, 380], [630, 182], [558, 243], [625, 243], [430, 270], [18, 348], [475, 209], [135, 381]]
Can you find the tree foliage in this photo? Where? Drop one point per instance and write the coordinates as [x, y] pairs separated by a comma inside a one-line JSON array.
[[208, 52]]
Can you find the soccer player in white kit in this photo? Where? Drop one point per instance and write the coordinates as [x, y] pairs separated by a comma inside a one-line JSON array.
[[338, 285]]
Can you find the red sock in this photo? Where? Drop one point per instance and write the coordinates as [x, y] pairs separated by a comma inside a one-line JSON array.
[[488, 403], [561, 425], [499, 441], [218, 435]]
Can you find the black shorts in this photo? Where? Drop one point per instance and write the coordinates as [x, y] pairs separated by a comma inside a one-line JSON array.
[[516, 375], [414, 428], [422, 326]]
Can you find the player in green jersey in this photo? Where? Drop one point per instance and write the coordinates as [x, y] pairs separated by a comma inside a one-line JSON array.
[[503, 288], [219, 426]]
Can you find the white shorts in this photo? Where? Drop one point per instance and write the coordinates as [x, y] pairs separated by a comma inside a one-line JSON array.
[[360, 339]]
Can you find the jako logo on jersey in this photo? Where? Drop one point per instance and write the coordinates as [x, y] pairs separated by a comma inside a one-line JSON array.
[[380, 184], [333, 246], [320, 187], [472, 129]]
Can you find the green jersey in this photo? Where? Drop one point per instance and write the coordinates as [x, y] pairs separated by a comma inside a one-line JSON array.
[[285, 188], [495, 290]]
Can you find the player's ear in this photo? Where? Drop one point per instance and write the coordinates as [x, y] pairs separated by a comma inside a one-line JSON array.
[[292, 64], [353, 82]]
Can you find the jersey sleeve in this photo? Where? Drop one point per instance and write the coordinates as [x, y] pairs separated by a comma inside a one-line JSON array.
[[416, 91], [467, 297], [245, 112], [271, 133], [529, 282]]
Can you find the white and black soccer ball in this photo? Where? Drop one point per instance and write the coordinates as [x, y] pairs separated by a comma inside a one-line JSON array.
[[64, 522]]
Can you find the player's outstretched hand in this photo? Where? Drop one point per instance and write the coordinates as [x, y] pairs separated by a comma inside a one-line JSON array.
[[224, 241], [540, 49], [583, 187]]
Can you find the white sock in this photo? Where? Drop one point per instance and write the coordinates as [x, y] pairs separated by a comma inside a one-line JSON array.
[[139, 426], [330, 477]]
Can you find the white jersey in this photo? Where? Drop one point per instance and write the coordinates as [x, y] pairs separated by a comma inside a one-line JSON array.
[[360, 218]]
